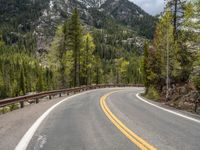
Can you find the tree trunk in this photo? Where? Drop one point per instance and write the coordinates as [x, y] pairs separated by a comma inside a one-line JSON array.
[[175, 19]]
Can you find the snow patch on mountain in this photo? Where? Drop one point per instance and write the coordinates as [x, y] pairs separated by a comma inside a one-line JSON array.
[[92, 3], [51, 4]]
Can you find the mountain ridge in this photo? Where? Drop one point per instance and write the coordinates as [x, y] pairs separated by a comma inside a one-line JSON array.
[[95, 13]]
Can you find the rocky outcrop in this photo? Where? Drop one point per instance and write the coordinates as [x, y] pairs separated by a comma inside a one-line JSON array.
[[92, 3], [192, 98], [183, 97]]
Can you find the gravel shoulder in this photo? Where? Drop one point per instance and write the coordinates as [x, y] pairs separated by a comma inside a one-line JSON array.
[[13, 125]]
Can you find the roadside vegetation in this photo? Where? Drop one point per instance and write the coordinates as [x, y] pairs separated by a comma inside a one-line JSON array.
[[77, 56], [171, 61]]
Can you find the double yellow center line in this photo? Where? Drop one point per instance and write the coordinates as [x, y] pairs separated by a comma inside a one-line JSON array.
[[139, 142]]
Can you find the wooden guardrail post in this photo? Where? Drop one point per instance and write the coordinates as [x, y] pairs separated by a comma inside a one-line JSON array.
[[49, 96], [60, 94], [37, 100], [21, 104]]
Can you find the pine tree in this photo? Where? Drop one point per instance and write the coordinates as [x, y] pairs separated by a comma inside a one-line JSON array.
[[22, 82], [63, 49], [188, 34], [1, 41], [57, 54], [191, 23], [75, 44], [69, 66], [177, 8], [98, 70], [39, 84], [87, 59], [164, 38], [121, 66]]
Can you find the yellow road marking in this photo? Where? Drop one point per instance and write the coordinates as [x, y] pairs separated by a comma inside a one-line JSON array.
[[139, 142]]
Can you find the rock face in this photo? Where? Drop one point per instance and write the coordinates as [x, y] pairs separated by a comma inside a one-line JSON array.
[[92, 3], [184, 97]]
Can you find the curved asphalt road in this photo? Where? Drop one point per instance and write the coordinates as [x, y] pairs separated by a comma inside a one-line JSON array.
[[80, 124]]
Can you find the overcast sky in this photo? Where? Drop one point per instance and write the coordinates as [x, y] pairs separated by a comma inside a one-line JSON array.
[[153, 7]]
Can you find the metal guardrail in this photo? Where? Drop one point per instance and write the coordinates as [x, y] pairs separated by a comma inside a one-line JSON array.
[[36, 97]]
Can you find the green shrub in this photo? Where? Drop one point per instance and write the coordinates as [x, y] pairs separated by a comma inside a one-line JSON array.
[[152, 93], [6, 109], [14, 107], [9, 108]]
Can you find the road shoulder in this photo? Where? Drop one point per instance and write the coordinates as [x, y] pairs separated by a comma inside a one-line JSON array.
[[163, 106], [15, 124]]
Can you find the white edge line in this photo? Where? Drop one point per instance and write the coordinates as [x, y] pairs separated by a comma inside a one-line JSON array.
[[24, 142], [167, 110]]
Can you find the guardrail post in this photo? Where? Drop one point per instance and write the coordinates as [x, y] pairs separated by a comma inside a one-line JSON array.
[[22, 104], [60, 95], [37, 100], [49, 96]]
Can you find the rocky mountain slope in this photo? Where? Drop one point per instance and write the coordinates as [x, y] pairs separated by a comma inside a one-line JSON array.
[[42, 17], [127, 13], [92, 3]]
